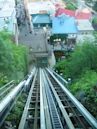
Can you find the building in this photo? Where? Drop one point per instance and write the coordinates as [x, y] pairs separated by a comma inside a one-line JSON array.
[[64, 24], [8, 17], [81, 20], [40, 13], [41, 20], [76, 14], [85, 30]]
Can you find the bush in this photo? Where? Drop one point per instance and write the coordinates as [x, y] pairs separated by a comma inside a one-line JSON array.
[[87, 84], [94, 20], [95, 6], [16, 113], [13, 59], [83, 58], [3, 79]]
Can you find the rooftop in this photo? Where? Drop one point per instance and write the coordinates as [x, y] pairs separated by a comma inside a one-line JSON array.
[[41, 18], [77, 14], [83, 25], [40, 7], [63, 25]]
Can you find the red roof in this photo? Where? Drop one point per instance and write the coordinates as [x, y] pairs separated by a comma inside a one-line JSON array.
[[64, 11], [77, 15], [82, 15]]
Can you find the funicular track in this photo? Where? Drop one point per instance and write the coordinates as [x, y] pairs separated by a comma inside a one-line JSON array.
[[70, 116], [55, 119], [31, 115], [51, 106]]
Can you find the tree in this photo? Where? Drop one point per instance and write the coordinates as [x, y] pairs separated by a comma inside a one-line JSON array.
[[70, 6], [95, 6], [83, 58], [94, 23], [13, 59], [85, 89]]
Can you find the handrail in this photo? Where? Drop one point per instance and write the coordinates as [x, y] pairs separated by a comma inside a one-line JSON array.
[[30, 77], [9, 99], [6, 90], [59, 77], [24, 115], [11, 95], [9, 83]]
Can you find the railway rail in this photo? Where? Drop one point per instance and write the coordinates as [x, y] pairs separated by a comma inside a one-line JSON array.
[[54, 107], [6, 88], [31, 115], [12, 93], [49, 105], [72, 113]]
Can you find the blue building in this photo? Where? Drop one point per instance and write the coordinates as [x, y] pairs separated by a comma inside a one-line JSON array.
[[64, 24], [41, 20]]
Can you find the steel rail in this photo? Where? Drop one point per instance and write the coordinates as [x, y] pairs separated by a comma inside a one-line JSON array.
[[69, 106], [6, 85], [6, 90], [12, 95], [85, 113], [31, 114], [30, 76], [42, 113], [25, 112], [63, 81], [9, 100], [7, 103], [56, 122], [36, 107], [46, 107], [64, 113]]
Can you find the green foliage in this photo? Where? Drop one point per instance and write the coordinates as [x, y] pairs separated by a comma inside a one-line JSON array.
[[70, 6], [3, 79], [95, 35], [87, 84], [87, 80], [95, 6], [62, 67], [94, 20], [83, 58], [13, 59], [17, 111]]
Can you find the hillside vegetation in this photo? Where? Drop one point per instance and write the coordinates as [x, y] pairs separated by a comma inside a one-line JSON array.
[[13, 59]]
